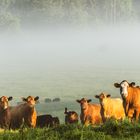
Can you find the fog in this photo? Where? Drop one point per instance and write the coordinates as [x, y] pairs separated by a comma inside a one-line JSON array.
[[110, 47], [68, 49]]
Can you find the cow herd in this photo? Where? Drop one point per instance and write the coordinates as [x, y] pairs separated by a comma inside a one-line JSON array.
[[117, 108], [13, 117]]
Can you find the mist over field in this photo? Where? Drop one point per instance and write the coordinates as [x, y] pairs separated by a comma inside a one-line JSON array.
[[67, 49], [69, 62]]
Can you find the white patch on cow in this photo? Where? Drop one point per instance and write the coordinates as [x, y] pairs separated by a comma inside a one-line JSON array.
[[124, 86], [102, 103]]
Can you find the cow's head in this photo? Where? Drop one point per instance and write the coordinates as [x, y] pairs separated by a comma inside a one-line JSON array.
[[124, 87], [71, 115], [4, 102], [84, 103], [102, 98], [30, 100]]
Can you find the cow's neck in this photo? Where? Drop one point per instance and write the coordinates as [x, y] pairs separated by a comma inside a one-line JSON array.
[[130, 92], [83, 111]]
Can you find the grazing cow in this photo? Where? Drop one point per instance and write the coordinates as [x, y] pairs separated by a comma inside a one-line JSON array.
[[5, 112], [70, 117], [47, 121], [131, 98], [111, 107], [90, 113], [24, 113]]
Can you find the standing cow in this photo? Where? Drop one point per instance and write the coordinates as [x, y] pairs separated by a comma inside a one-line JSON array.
[[24, 113], [5, 116], [131, 98], [111, 107], [70, 117], [90, 113]]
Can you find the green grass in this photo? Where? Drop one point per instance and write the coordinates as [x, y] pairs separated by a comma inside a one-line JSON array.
[[111, 130]]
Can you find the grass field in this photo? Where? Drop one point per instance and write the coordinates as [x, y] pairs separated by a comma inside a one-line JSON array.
[[111, 130]]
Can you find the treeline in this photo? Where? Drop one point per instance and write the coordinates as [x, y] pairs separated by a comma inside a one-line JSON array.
[[20, 13]]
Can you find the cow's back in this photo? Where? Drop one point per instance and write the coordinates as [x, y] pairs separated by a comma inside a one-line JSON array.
[[44, 121], [114, 109]]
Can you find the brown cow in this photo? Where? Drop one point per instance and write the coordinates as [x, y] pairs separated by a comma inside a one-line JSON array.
[[24, 113], [90, 113], [131, 98], [111, 107], [70, 117], [5, 112], [47, 120]]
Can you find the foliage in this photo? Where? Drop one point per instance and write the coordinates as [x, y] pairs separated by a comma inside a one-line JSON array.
[[69, 12], [9, 22]]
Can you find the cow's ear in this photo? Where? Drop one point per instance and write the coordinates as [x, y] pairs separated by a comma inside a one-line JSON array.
[[36, 98], [89, 100], [97, 96], [78, 101], [108, 95], [117, 85], [10, 98], [24, 99], [132, 84]]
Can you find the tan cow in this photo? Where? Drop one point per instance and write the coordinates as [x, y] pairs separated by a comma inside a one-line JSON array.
[[111, 107], [90, 113], [24, 113], [131, 98], [71, 117]]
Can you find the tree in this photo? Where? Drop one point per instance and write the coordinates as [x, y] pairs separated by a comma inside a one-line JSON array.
[[7, 20]]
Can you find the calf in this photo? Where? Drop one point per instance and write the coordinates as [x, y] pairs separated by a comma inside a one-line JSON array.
[[111, 107], [90, 113], [70, 117], [5, 112], [24, 113], [47, 121]]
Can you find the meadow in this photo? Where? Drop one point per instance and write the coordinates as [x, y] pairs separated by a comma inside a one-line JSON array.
[[111, 130]]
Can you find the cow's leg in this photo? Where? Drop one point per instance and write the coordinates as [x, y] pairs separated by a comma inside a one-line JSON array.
[[86, 123], [126, 109], [130, 114], [137, 115]]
